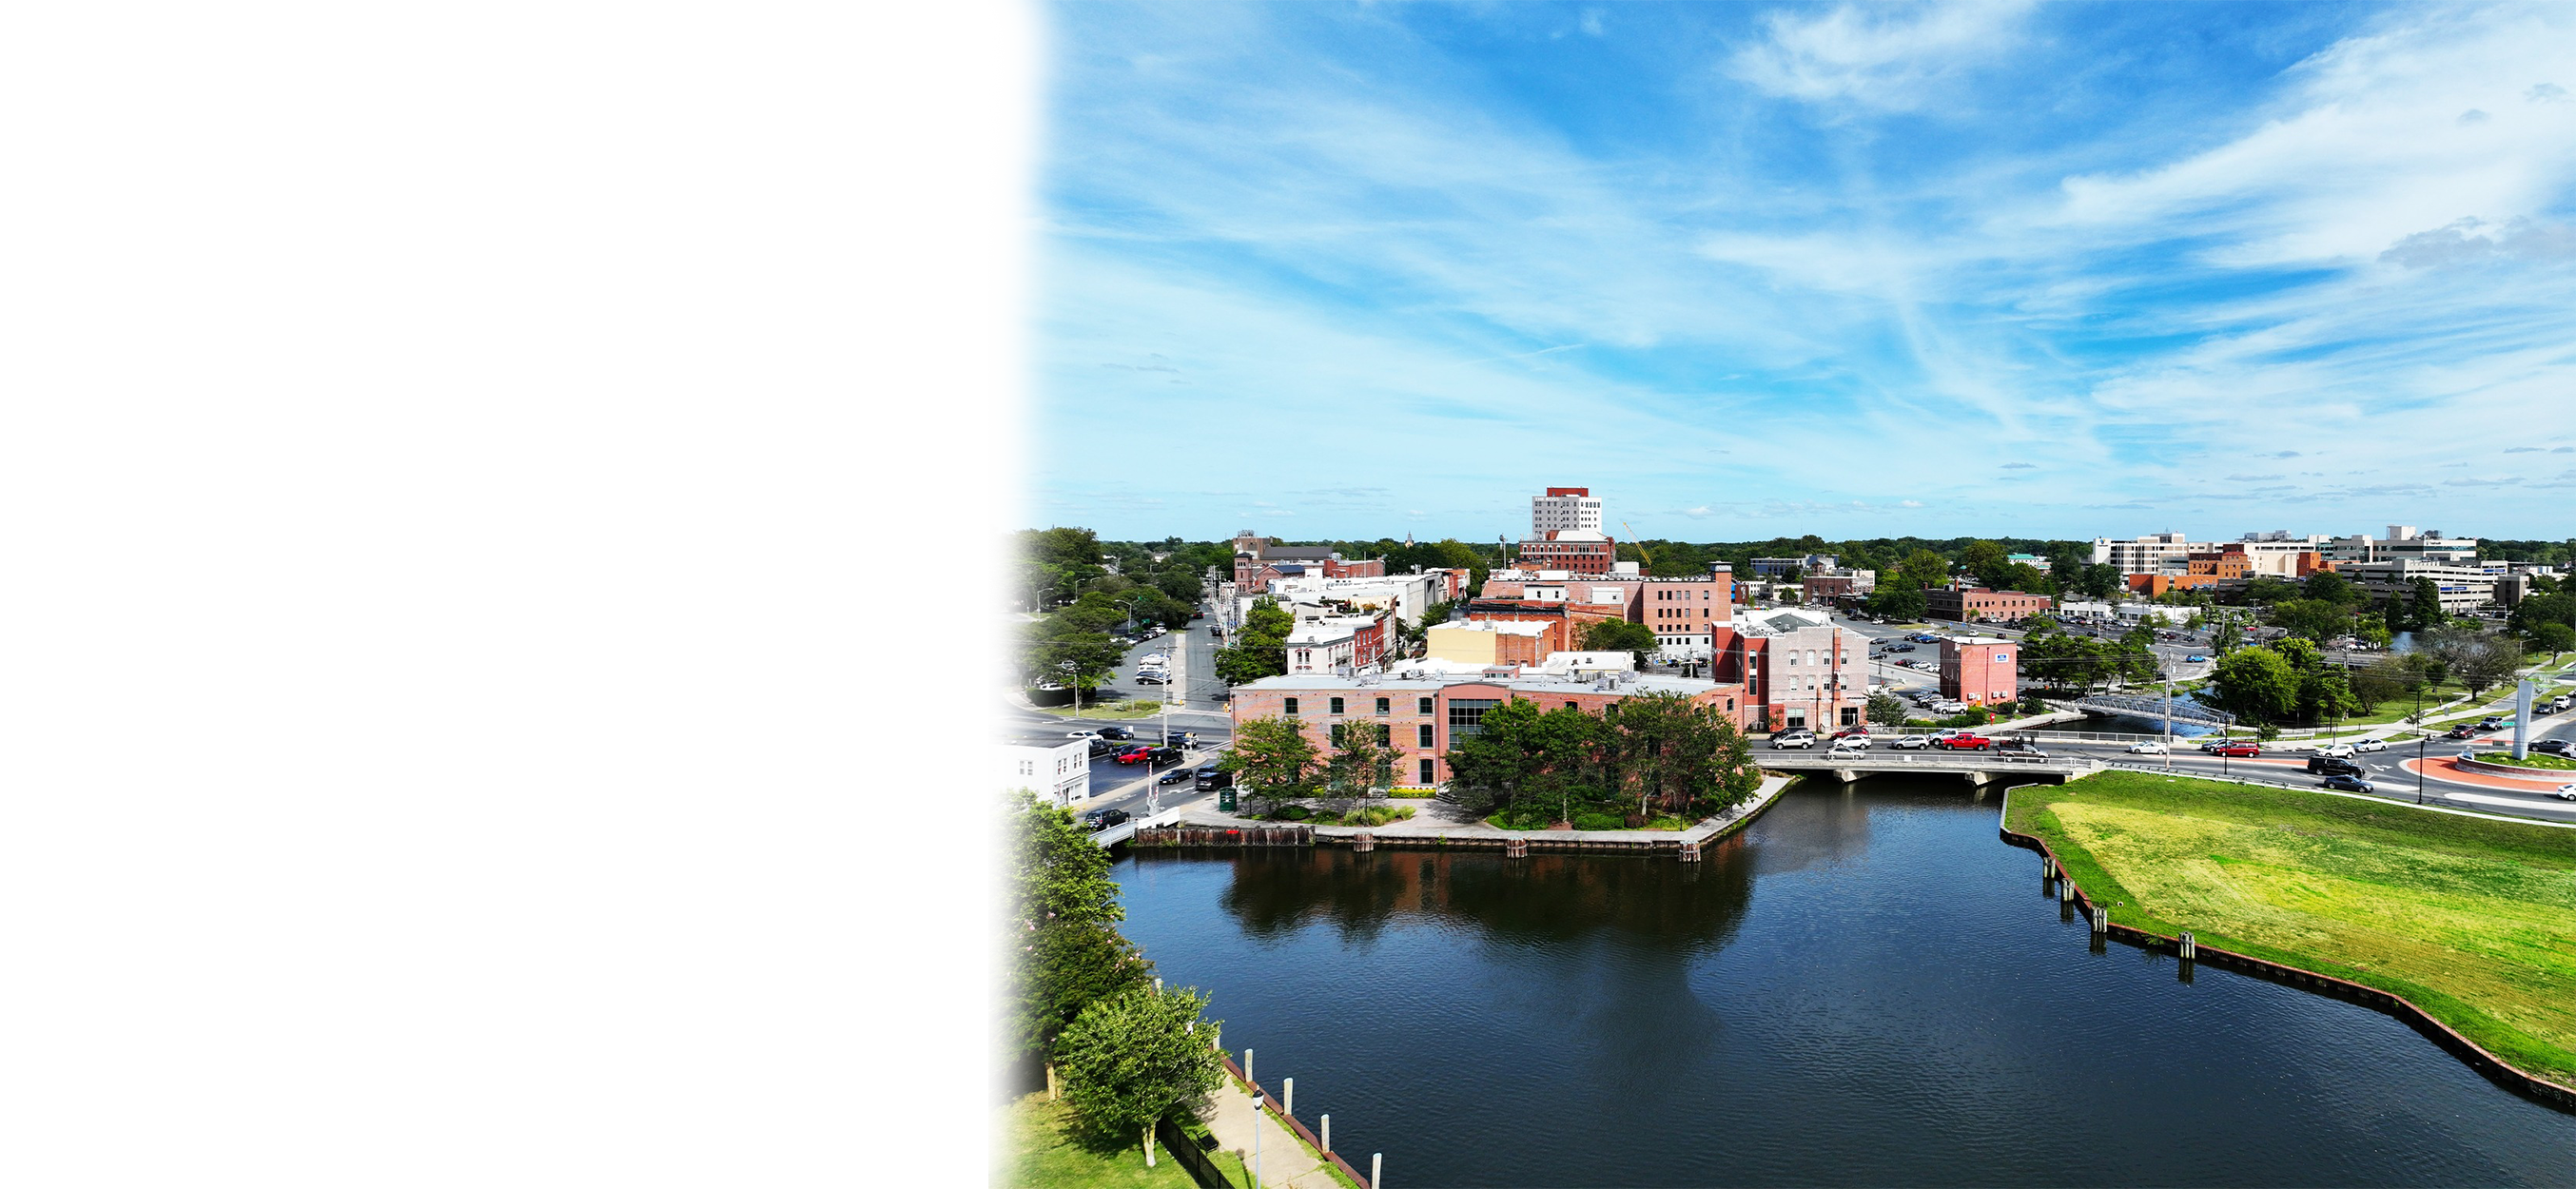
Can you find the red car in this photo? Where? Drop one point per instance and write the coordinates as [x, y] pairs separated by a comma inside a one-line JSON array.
[[2238, 751], [1135, 753], [1964, 743], [1848, 732]]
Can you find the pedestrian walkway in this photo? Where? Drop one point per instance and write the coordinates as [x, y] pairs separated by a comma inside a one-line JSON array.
[[1285, 1163]]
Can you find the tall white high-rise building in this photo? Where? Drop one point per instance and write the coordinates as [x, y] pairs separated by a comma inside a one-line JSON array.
[[1564, 509]]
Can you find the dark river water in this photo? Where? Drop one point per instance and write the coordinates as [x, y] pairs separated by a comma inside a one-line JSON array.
[[1864, 988]]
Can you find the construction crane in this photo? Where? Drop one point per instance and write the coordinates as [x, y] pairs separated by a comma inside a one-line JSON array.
[[1641, 549]]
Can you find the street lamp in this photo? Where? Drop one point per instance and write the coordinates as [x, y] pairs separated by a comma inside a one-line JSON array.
[[2420, 741]]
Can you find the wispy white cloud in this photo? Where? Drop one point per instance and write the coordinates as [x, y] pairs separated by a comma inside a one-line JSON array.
[[1888, 57]]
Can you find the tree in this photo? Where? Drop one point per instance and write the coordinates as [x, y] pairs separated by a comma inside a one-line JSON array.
[[2269, 590], [1902, 600], [2326, 586], [1082, 661], [2314, 619], [1134, 1059], [2257, 685], [2539, 609], [1361, 762], [1272, 758], [1923, 568], [1260, 648], [1885, 709], [2226, 638], [1619, 635], [2555, 637], [1675, 750], [2424, 606], [1061, 920], [1982, 558], [2380, 681], [2101, 580], [1487, 763]]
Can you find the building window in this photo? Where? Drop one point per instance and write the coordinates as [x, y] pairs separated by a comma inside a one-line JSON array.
[[1467, 715], [1426, 770], [1288, 706], [1851, 716], [1422, 706], [1337, 734], [1385, 734], [1384, 703], [1572, 706], [1422, 735], [1336, 706]]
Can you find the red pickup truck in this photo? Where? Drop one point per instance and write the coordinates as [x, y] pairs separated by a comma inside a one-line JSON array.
[[1964, 742]]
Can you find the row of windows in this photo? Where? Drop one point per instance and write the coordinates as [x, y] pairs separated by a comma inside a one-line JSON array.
[[1288, 706], [1386, 735]]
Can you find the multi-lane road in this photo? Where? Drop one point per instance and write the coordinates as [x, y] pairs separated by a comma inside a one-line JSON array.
[[1197, 708]]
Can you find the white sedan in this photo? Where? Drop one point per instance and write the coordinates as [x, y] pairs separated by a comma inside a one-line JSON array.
[[2566, 792], [2371, 745], [2149, 748], [2337, 750]]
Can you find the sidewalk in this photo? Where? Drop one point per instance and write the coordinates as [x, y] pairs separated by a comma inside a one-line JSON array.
[[1284, 1161]]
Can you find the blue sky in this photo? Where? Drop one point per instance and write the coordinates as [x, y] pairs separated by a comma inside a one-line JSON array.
[[1352, 270]]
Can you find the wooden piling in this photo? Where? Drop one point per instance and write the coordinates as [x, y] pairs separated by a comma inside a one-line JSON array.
[[2189, 949]]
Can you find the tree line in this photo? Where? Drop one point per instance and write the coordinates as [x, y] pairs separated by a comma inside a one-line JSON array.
[[1081, 999]]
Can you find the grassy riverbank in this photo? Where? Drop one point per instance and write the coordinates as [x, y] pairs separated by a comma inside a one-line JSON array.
[[1036, 1145], [2473, 920]]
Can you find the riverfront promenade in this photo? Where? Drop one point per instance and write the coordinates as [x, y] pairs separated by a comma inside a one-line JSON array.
[[1285, 1163], [1434, 820]]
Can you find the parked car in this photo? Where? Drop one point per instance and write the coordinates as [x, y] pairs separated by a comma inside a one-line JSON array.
[[2238, 750], [2195, 659], [1963, 741], [2151, 747], [2333, 765], [1153, 677], [1861, 730], [2335, 749], [1134, 753], [2371, 745], [1210, 776], [1177, 775], [1085, 734], [1117, 733], [1101, 747], [2349, 782], [1910, 742], [1102, 819]]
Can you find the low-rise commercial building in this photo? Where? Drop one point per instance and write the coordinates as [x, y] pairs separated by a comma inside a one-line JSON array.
[[1493, 641], [1420, 713], [1795, 667], [1336, 644], [2461, 588], [1971, 603], [1057, 770], [2404, 543], [1981, 670]]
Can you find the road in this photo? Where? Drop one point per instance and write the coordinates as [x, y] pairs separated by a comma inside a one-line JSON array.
[[1198, 709]]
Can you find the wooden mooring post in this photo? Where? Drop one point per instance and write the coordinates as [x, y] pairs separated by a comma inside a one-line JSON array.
[[2188, 949], [1364, 842], [1516, 848], [1690, 853], [2101, 919]]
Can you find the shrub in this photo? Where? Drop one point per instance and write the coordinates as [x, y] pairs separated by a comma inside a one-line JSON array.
[[1596, 821], [1418, 793], [1292, 813]]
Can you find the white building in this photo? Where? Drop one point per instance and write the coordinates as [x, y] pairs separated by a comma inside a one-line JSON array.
[[1331, 644], [2404, 542], [1408, 595], [1564, 509], [2462, 588], [1058, 772], [2149, 554]]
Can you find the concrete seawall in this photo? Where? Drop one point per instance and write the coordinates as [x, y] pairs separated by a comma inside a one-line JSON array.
[[1685, 845], [2494, 1068]]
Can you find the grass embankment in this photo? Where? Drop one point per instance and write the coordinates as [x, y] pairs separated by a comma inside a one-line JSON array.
[[2473, 920], [1034, 1143], [1112, 711]]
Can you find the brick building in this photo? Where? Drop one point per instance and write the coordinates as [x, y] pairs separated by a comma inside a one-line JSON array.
[[1336, 643], [1419, 716], [1796, 669], [1981, 670], [1494, 641], [1967, 604], [1258, 561], [1574, 551]]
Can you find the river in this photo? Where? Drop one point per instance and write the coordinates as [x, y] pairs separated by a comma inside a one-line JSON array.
[[1865, 987]]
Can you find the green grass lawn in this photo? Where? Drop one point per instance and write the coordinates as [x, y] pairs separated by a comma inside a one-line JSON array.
[[1036, 1147], [2473, 920], [1113, 711], [2534, 760]]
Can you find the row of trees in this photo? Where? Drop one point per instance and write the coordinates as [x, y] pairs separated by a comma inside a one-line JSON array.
[[1661, 749], [1081, 998], [1084, 588], [2289, 682]]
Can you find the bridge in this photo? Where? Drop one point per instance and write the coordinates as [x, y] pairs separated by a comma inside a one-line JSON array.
[[1127, 829], [1978, 767], [2155, 706]]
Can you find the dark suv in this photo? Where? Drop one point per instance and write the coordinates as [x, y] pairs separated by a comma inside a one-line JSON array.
[[2333, 766], [1213, 777]]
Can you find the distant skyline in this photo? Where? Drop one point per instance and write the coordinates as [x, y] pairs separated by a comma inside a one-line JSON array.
[[1350, 271]]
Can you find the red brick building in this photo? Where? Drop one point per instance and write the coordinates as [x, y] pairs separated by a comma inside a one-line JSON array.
[[1981, 670], [1977, 602], [1418, 717], [1573, 552]]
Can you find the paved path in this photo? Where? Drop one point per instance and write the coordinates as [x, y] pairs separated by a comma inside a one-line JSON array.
[[1285, 1163]]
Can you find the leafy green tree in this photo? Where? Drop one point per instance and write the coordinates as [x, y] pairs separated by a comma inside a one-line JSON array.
[[2269, 590], [2555, 638], [1082, 661], [2539, 609], [2313, 619], [2424, 606], [2226, 638], [1982, 558], [1619, 635], [2101, 580], [2257, 685], [2325, 694], [1061, 915], [1902, 601], [1260, 647], [1135, 1059], [1676, 751], [1272, 758], [1490, 765], [2379, 681], [1923, 568], [1180, 585], [1886, 710], [2326, 586], [1361, 762]]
